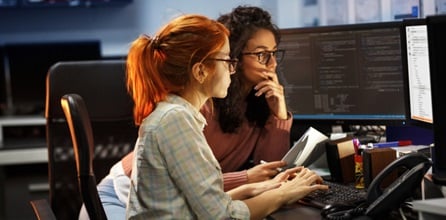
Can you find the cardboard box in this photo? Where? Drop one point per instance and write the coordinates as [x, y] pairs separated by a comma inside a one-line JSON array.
[[374, 161], [340, 158]]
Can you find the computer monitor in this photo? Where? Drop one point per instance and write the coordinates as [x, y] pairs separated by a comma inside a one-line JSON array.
[[344, 74], [417, 83], [27, 66], [437, 59]]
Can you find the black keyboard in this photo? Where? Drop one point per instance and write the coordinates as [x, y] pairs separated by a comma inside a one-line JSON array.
[[337, 194]]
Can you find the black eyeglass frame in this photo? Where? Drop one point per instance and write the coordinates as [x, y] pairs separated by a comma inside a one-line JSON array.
[[232, 63], [267, 54]]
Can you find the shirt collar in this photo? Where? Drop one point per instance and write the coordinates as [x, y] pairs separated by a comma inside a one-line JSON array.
[[175, 99]]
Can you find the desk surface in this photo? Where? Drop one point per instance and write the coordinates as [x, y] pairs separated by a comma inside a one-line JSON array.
[[432, 206], [297, 211], [23, 156]]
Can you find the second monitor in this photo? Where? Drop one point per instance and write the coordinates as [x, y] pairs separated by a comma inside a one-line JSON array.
[[26, 67], [345, 74], [416, 72]]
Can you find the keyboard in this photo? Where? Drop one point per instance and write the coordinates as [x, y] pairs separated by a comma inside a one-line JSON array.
[[338, 193]]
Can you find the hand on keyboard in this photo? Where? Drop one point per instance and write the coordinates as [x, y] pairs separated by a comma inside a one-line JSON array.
[[337, 194]]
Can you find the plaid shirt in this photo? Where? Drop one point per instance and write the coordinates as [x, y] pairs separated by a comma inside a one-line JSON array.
[[175, 174]]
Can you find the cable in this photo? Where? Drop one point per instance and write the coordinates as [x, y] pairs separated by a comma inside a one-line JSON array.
[[345, 214], [402, 214]]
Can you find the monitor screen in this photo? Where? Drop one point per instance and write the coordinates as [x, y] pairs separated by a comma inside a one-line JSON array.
[[28, 64], [344, 74], [437, 57], [415, 55]]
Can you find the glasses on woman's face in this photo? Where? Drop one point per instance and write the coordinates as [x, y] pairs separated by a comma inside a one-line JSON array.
[[263, 57], [232, 63]]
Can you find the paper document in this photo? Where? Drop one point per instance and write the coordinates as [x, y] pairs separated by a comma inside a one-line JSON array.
[[306, 150]]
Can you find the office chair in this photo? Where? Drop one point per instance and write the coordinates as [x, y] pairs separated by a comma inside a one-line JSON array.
[[42, 209], [79, 124], [101, 84]]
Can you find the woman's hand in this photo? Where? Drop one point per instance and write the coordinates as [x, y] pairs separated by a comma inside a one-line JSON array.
[[253, 189], [288, 174], [249, 190], [274, 94], [303, 183], [264, 171]]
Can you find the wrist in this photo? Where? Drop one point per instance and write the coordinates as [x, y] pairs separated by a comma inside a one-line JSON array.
[[248, 180], [283, 116], [278, 196]]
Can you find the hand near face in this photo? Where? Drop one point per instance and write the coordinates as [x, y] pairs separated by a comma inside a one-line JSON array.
[[274, 94]]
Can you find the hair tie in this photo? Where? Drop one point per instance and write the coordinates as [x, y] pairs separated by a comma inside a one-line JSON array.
[[156, 43]]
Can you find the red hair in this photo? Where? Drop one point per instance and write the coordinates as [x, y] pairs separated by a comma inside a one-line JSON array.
[[161, 65]]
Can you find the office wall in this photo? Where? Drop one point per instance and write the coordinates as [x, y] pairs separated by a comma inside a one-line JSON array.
[[112, 25], [117, 26]]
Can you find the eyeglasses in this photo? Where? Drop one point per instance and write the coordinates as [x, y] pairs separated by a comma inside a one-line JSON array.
[[232, 63], [263, 57]]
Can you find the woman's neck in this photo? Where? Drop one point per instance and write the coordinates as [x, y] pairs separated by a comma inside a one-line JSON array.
[[194, 97]]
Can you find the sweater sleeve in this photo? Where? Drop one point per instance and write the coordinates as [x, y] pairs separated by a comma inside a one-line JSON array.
[[232, 180]]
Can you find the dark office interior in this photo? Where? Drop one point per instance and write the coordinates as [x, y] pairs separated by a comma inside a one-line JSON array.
[[331, 65]]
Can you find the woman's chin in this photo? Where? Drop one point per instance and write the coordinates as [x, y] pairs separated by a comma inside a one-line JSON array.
[[222, 95]]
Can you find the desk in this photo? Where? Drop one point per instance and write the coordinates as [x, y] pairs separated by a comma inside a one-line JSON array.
[[297, 211], [23, 156], [6, 121], [309, 213], [431, 209], [26, 184], [22, 151], [21, 161]]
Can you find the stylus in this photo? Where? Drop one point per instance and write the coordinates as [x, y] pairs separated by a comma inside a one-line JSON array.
[[264, 162]]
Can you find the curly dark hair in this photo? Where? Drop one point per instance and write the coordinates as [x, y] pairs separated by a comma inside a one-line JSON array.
[[243, 22]]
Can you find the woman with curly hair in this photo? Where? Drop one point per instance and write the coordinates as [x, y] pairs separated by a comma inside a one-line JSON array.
[[252, 122]]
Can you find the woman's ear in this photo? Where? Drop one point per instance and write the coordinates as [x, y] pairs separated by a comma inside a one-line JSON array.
[[199, 72]]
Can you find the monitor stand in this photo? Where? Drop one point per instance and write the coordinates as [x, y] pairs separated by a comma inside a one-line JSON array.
[[439, 178]]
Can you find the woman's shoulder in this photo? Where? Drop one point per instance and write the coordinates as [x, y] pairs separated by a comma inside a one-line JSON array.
[[162, 110]]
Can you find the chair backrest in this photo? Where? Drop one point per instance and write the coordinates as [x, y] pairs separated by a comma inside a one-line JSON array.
[[42, 209], [102, 85], [79, 124]]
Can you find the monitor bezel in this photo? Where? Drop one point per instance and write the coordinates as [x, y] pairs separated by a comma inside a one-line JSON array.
[[3, 90], [437, 66], [410, 121], [339, 120]]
